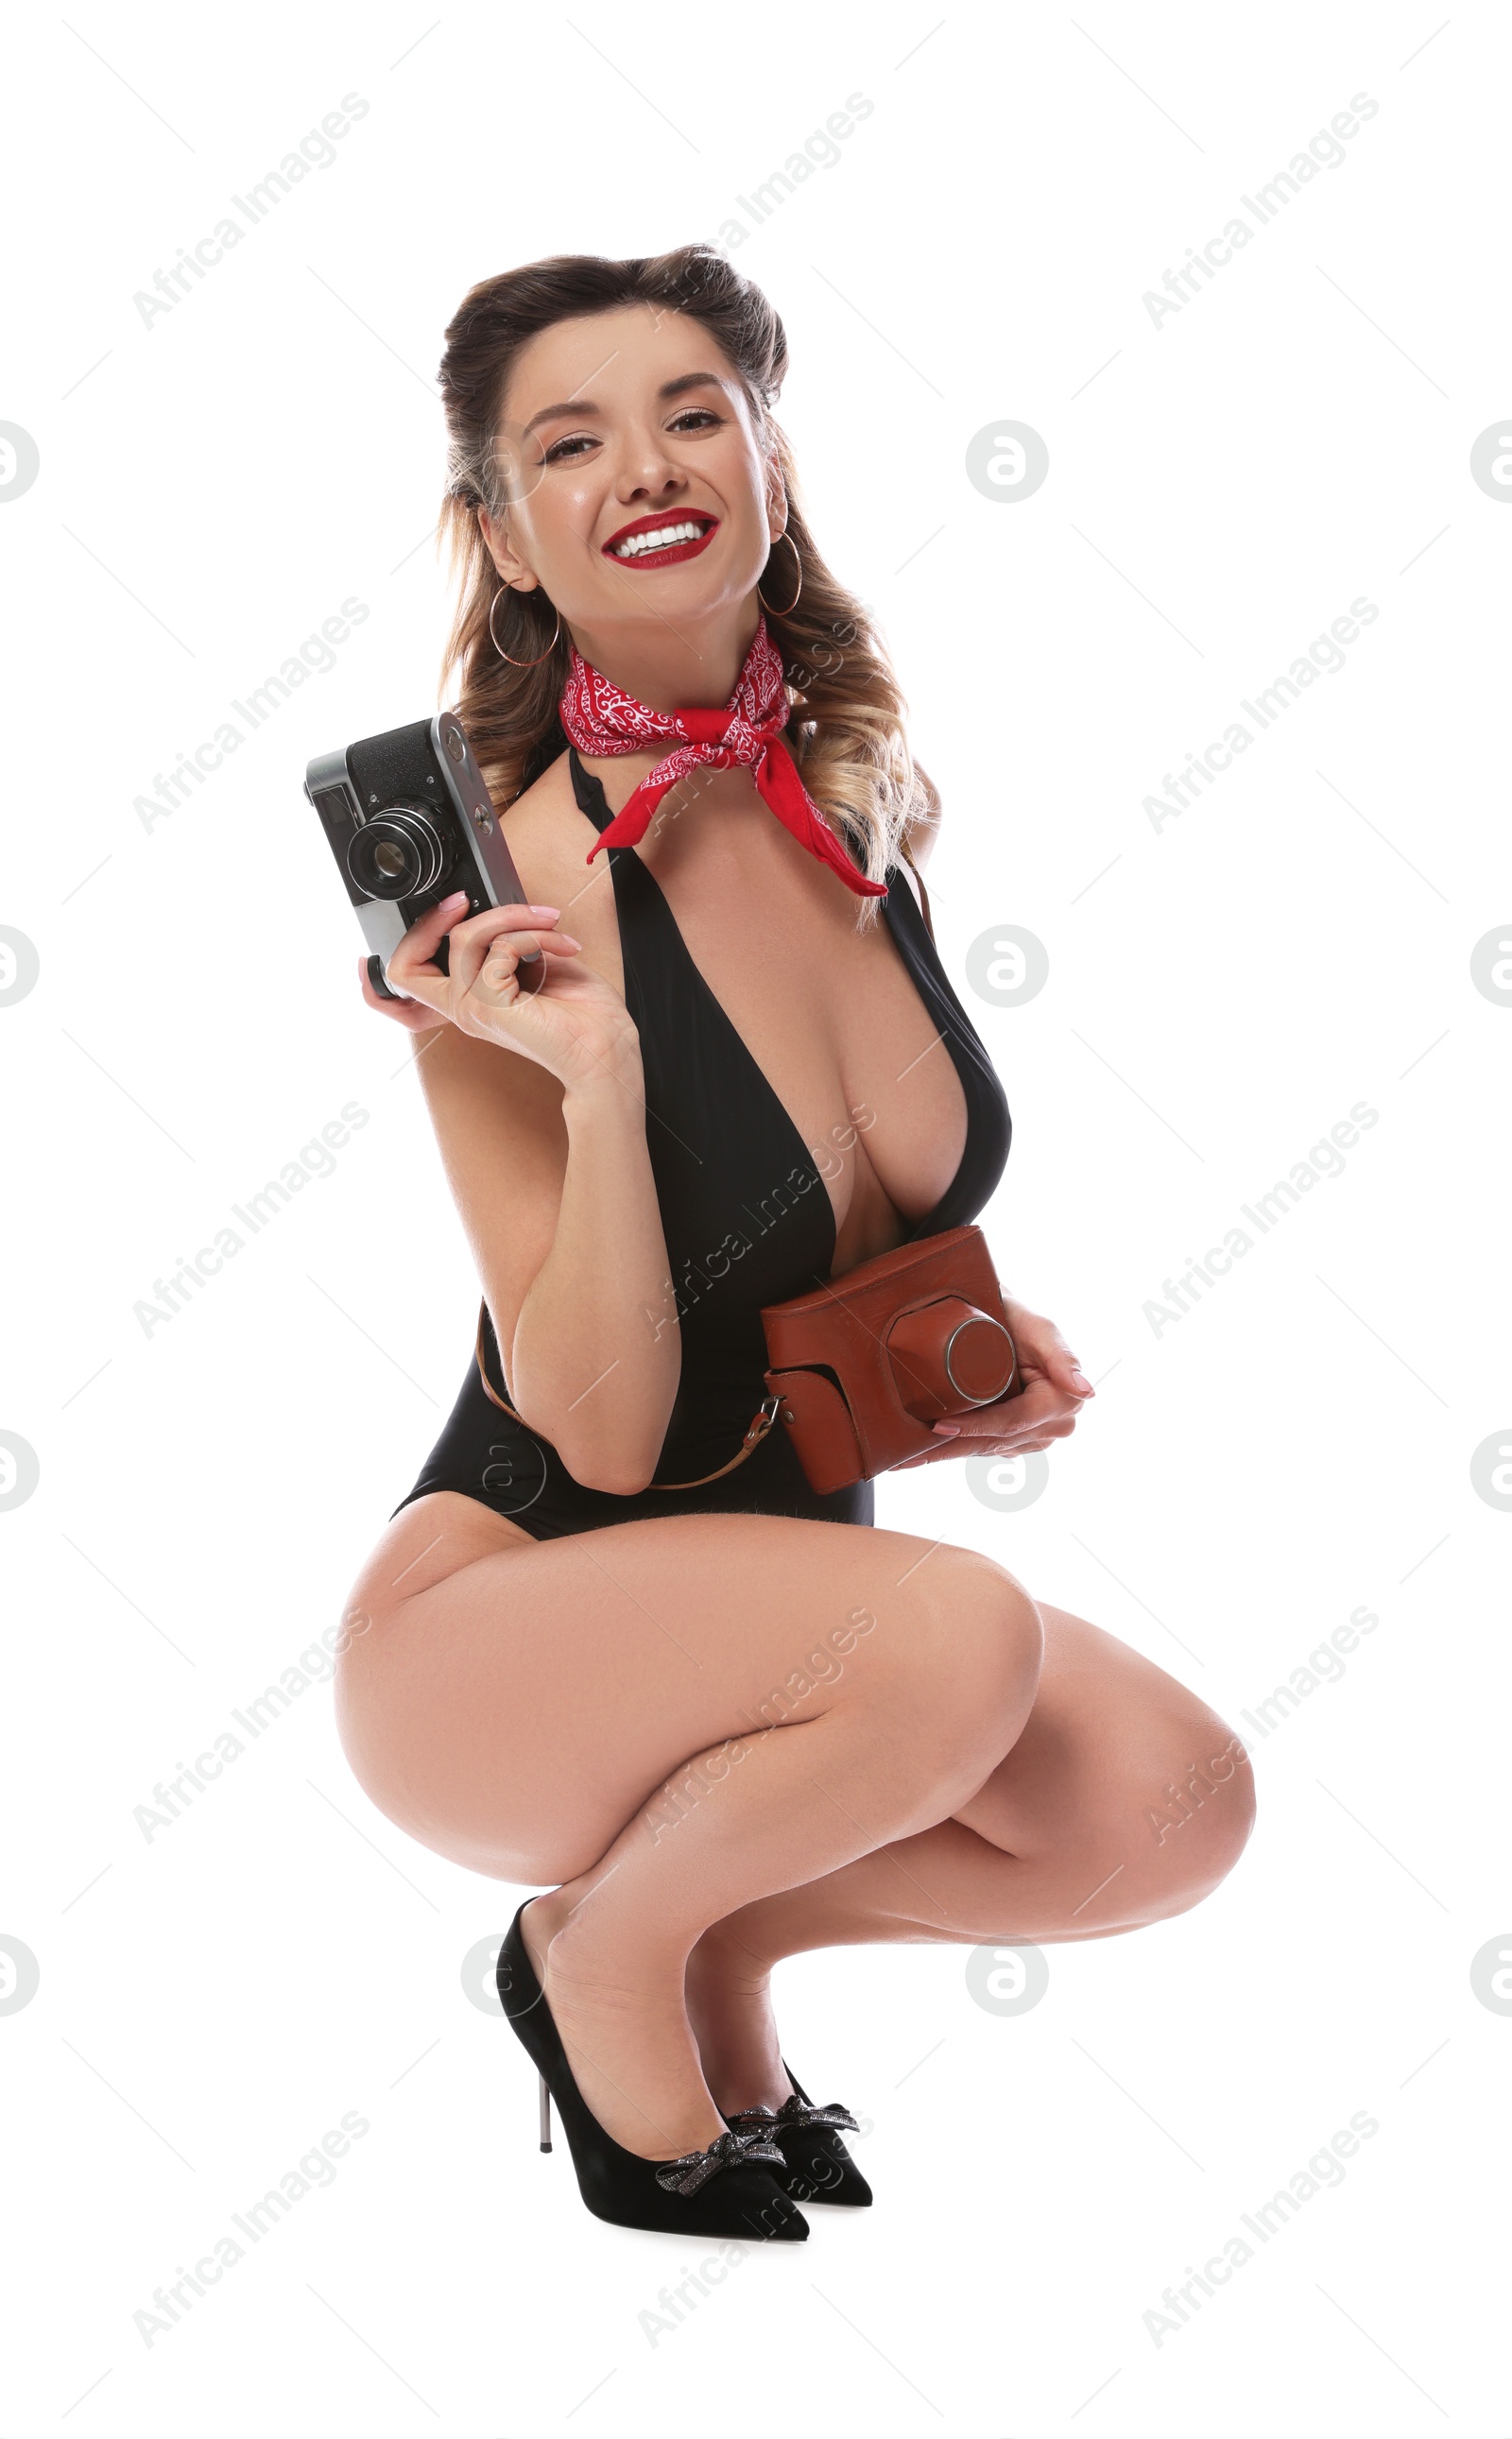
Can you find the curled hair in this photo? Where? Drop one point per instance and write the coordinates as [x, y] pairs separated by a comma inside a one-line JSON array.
[[845, 729]]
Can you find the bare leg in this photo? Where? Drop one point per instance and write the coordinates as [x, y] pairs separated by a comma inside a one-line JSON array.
[[1107, 1815], [593, 1711]]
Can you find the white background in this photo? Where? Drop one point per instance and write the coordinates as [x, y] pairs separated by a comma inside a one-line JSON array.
[[1220, 992]]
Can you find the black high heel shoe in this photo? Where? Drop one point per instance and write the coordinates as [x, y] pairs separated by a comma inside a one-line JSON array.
[[818, 2166], [730, 2189]]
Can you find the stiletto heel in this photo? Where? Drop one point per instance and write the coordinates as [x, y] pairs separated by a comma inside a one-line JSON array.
[[818, 2167], [730, 2189]]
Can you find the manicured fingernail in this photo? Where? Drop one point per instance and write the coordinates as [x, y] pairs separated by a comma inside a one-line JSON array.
[[543, 910], [1083, 1383], [458, 898], [949, 1431]]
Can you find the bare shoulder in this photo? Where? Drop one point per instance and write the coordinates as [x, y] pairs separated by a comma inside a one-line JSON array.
[[550, 838], [543, 830]]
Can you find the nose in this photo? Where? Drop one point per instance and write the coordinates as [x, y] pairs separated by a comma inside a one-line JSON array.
[[646, 471]]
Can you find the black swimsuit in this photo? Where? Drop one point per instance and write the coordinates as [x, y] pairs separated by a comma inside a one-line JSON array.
[[747, 1220]]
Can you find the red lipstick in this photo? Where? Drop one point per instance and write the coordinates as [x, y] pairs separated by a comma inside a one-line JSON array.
[[673, 522]]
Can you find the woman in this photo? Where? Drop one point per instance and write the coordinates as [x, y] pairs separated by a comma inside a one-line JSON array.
[[727, 1721]]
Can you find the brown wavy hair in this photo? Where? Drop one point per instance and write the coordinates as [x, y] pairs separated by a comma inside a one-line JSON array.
[[845, 730]]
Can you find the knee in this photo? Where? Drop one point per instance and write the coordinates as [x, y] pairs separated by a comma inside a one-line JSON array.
[[975, 1641], [1199, 1821]]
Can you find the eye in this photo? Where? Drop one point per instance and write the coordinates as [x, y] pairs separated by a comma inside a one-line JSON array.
[[705, 414], [574, 444]]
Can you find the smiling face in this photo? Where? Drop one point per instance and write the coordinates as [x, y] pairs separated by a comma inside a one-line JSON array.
[[637, 493]]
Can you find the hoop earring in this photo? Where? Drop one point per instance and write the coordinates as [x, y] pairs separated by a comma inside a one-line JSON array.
[[510, 657], [783, 536]]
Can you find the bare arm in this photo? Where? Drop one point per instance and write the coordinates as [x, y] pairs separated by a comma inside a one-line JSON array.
[[537, 1102]]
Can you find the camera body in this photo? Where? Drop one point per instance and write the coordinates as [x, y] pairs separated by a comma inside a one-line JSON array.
[[409, 821]]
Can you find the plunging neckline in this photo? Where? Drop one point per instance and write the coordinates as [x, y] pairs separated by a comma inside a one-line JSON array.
[[922, 1227]]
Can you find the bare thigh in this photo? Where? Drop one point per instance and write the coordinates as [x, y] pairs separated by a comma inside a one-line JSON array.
[[511, 1703]]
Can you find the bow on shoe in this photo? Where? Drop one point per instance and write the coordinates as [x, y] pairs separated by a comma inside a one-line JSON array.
[[728, 2151], [795, 2116]]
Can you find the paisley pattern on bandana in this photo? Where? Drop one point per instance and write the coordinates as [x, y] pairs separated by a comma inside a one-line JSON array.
[[599, 717]]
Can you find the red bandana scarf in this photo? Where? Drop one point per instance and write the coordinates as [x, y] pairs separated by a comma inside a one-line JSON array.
[[599, 719]]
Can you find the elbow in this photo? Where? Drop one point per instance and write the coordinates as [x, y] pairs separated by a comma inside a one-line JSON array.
[[621, 1471], [621, 1481], [619, 1457], [619, 1466]]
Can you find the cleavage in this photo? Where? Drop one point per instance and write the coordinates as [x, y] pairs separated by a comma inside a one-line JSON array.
[[892, 1072]]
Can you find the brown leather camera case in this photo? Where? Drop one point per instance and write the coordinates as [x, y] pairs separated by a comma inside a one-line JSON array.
[[866, 1363]]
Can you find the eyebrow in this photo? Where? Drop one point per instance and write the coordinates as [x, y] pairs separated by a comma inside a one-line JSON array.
[[585, 406]]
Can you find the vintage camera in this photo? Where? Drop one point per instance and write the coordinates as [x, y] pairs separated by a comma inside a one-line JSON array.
[[409, 821]]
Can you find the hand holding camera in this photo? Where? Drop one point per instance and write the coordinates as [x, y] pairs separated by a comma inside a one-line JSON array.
[[410, 822], [568, 1023], [1054, 1392]]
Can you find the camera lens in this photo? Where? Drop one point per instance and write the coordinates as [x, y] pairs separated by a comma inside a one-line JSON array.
[[399, 853]]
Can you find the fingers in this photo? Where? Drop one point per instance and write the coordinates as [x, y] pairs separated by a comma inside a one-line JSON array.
[[1034, 1407], [415, 953], [968, 1447], [412, 1013], [1041, 1347], [1059, 1365], [1001, 1442], [494, 960], [496, 965], [491, 944], [1064, 1368], [412, 966], [1042, 1409]]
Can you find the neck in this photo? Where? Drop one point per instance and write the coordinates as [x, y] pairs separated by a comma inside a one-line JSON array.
[[674, 669]]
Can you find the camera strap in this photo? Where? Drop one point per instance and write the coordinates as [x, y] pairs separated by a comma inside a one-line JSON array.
[[761, 1423]]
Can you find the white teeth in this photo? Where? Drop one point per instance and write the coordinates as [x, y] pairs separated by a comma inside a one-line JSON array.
[[664, 537]]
